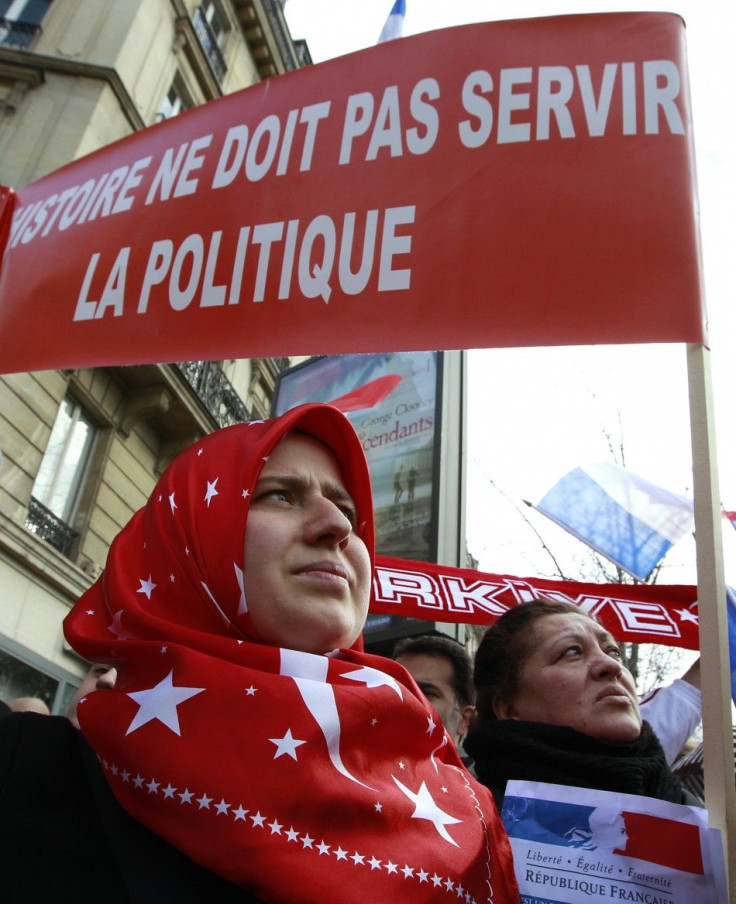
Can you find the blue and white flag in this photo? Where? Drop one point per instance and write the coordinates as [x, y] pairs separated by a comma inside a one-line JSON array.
[[625, 518], [394, 26]]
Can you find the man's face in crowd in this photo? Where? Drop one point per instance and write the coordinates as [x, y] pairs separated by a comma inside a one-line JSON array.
[[433, 674]]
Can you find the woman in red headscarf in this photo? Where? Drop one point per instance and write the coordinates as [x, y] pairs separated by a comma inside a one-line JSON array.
[[247, 728]]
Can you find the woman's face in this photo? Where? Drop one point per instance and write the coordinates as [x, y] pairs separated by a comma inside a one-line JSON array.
[[307, 574], [574, 677]]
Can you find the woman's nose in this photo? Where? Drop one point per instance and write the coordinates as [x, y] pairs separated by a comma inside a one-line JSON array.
[[106, 681], [326, 523], [606, 665]]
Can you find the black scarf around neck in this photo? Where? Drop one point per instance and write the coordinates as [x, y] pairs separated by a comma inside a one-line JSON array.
[[532, 751]]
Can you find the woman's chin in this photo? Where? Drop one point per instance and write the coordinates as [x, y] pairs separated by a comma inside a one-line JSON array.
[[618, 733], [325, 640]]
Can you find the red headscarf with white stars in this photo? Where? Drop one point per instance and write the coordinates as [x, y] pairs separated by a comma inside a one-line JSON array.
[[302, 777]]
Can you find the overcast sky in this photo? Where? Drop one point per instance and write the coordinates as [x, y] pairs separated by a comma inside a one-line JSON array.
[[536, 413]]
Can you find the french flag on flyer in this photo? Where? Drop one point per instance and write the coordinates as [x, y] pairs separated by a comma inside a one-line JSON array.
[[664, 842], [394, 25], [576, 844], [730, 516], [625, 518]]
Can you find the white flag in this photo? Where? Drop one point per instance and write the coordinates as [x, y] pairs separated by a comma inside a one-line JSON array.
[[395, 23]]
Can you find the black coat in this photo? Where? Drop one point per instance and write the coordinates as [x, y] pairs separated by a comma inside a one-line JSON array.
[[64, 837]]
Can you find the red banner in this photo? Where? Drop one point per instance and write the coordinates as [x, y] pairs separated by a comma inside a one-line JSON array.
[[505, 184], [666, 614]]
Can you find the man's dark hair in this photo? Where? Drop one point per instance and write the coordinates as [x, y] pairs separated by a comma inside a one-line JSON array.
[[444, 647]]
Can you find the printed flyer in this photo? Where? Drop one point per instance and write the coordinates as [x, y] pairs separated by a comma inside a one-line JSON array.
[[574, 845]]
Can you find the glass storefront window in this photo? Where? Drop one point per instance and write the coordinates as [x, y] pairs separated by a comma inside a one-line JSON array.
[[17, 679]]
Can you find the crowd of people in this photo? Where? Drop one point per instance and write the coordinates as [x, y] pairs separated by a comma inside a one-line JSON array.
[[247, 748]]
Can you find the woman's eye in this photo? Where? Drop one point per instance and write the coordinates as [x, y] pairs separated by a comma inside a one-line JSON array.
[[276, 495], [614, 651], [574, 650], [349, 513]]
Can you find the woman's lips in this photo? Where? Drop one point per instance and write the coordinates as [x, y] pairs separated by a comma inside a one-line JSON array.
[[330, 571], [613, 693]]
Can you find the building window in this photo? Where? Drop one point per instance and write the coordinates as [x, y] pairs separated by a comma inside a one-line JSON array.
[[18, 679], [211, 28], [29, 11], [25, 674], [20, 21], [174, 104], [62, 470], [216, 22], [59, 481]]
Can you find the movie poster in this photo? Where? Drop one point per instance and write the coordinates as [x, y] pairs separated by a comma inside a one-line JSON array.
[[391, 400]]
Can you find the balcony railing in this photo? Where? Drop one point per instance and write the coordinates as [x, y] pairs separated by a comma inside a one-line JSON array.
[[209, 44], [215, 391], [17, 34], [44, 524]]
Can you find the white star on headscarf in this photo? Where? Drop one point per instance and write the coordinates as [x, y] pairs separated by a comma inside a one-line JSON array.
[[147, 587], [426, 808], [172, 503], [286, 745], [160, 702], [374, 678], [211, 491]]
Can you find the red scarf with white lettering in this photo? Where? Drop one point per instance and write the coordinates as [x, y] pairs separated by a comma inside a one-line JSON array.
[[301, 777]]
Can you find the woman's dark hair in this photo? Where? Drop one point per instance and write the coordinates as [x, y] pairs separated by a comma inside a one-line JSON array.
[[505, 648]]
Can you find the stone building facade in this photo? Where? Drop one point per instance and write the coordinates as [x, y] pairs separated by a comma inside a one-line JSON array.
[[81, 449]]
